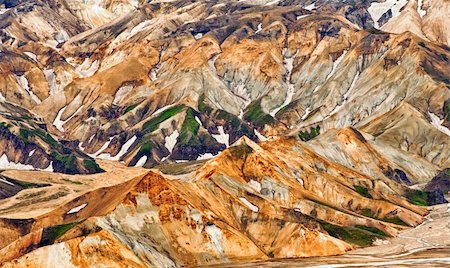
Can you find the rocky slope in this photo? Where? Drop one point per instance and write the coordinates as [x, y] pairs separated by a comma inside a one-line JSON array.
[[276, 129], [252, 202]]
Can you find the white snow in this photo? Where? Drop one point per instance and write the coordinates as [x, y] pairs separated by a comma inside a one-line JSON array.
[[215, 234], [346, 95], [138, 28], [419, 8], [274, 2], [260, 136], [6, 164], [302, 16], [31, 152], [7, 182], [2, 98], [49, 168], [437, 123], [125, 147], [310, 7], [141, 161], [121, 93], [222, 137], [62, 36], [211, 63], [377, 9], [288, 65], [336, 64], [205, 156], [259, 28], [198, 121], [3, 10], [77, 209], [23, 82], [248, 204], [87, 69], [51, 80], [58, 123], [198, 36], [104, 146], [171, 140], [307, 112], [30, 55], [255, 185]]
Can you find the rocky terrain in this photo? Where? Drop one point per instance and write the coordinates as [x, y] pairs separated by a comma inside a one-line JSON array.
[[167, 133]]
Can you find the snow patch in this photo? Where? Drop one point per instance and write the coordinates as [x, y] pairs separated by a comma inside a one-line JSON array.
[[6, 164], [7, 182], [198, 36], [248, 204], [141, 162], [307, 112], [215, 234], [138, 28], [377, 9], [336, 64], [58, 123], [121, 93], [437, 123], [205, 156], [171, 140], [288, 65], [260, 136], [23, 82], [198, 121], [222, 137], [87, 69], [310, 7], [421, 11], [2, 98], [77, 209], [259, 28], [31, 55], [303, 16], [125, 147], [255, 185]]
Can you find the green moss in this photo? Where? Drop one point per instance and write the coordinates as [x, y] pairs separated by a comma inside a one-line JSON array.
[[358, 235], [394, 220], [153, 123], [422, 44], [368, 213], [372, 230], [25, 184], [313, 132], [68, 161], [255, 115], [202, 106], [52, 233], [130, 108], [417, 197], [189, 128], [92, 165], [145, 149], [363, 191]]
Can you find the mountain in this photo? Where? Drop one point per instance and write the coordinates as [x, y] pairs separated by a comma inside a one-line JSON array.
[[171, 133]]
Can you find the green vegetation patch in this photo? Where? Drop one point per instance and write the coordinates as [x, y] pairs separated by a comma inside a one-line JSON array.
[[358, 235], [422, 44], [69, 162], [153, 123], [313, 132], [189, 129], [255, 114], [52, 233], [363, 191], [417, 197], [130, 108], [395, 220]]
